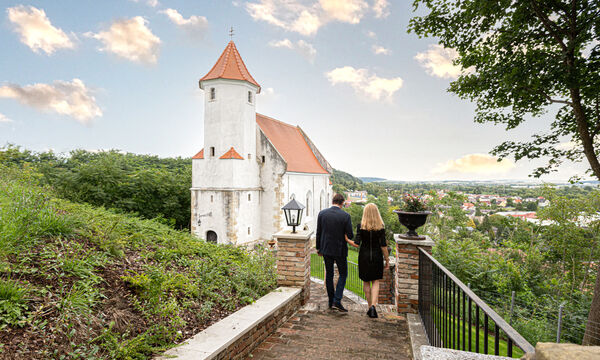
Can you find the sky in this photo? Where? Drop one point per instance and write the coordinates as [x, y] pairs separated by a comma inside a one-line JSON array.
[[123, 74]]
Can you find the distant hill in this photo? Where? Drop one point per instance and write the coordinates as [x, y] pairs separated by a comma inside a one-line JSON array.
[[371, 179], [344, 181]]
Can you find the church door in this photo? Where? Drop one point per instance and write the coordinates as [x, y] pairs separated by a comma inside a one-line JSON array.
[[211, 237]]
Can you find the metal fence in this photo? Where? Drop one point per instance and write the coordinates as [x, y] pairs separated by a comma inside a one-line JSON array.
[[452, 315], [353, 282]]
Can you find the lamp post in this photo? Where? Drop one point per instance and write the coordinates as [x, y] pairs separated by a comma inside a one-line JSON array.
[[293, 213]]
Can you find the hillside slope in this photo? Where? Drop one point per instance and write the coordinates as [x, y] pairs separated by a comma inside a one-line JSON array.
[[84, 282]]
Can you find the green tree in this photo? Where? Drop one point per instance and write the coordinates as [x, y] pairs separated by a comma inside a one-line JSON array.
[[523, 59]]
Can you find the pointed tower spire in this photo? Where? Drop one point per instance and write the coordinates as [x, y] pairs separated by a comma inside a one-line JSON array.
[[230, 66]]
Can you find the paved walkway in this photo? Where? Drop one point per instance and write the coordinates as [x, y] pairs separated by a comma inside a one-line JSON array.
[[316, 332]]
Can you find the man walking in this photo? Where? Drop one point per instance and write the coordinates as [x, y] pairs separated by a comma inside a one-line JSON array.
[[333, 226]]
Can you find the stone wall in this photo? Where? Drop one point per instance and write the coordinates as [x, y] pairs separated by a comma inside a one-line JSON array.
[[243, 346], [293, 260], [407, 272], [387, 286], [237, 335]]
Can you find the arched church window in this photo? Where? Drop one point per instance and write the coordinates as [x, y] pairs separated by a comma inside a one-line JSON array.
[[211, 236], [293, 196], [322, 201], [213, 93], [308, 203]]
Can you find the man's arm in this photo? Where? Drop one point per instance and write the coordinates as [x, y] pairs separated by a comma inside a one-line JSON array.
[[319, 228], [348, 229]]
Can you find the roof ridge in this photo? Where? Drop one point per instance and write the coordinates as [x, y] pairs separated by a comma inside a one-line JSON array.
[[279, 121]]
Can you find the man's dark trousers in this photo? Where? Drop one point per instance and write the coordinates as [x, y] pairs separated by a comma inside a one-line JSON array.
[[342, 265]]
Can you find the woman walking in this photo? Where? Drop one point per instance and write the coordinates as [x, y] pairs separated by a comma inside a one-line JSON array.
[[370, 235]]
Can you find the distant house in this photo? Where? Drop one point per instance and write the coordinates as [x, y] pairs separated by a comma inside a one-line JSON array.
[[356, 197], [468, 206], [519, 214]]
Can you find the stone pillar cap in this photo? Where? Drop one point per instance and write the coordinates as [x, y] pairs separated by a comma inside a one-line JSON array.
[[287, 234], [426, 242]]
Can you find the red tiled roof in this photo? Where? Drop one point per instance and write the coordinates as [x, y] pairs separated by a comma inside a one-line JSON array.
[[199, 155], [290, 143], [231, 154], [230, 66]]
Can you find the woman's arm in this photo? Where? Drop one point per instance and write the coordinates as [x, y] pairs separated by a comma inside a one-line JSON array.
[[352, 243], [386, 256]]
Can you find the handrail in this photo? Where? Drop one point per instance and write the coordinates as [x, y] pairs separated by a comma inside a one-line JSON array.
[[512, 334]]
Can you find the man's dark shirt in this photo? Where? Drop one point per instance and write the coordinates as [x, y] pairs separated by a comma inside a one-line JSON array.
[[332, 224]]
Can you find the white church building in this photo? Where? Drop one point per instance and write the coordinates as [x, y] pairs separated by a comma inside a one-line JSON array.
[[251, 164]]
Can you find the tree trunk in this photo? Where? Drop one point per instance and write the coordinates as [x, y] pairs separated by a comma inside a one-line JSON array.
[[592, 329]]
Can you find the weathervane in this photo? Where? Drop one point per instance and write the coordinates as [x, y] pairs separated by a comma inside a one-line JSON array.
[[231, 33]]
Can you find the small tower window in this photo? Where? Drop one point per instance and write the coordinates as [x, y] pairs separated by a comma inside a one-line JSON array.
[[213, 93], [249, 230], [262, 158], [249, 156], [212, 151], [250, 97], [212, 198], [249, 197]]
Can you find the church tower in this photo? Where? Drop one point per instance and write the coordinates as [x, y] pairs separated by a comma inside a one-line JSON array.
[[226, 188]]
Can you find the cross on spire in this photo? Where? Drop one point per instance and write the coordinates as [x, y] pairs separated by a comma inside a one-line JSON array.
[[231, 33]]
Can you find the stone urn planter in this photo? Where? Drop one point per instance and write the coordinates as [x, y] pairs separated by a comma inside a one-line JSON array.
[[412, 221]]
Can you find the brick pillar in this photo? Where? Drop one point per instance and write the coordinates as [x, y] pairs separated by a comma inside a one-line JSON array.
[[407, 272], [387, 285], [293, 260]]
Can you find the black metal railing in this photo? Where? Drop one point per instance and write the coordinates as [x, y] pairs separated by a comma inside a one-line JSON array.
[[452, 315]]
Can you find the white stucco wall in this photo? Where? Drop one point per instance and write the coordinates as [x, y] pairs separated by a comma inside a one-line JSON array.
[[303, 184], [271, 180], [229, 119]]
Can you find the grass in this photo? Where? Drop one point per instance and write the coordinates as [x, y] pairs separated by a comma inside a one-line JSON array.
[[81, 282], [455, 321], [353, 282]]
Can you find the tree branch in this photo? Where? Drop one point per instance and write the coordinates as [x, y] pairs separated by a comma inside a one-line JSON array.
[[548, 97], [548, 25]]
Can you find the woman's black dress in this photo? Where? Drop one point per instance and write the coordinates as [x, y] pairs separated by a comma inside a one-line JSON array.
[[370, 256]]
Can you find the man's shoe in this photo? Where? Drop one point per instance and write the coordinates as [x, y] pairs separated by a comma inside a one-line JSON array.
[[374, 312], [339, 307], [370, 312]]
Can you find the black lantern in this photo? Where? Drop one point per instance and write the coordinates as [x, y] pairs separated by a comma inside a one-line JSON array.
[[293, 213]]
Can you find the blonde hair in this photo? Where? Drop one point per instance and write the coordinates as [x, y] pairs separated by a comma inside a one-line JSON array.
[[371, 219]]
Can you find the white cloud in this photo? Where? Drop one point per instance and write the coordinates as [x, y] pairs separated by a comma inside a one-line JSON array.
[[372, 34], [151, 3], [194, 25], [475, 164], [380, 8], [306, 16], [130, 39], [365, 83], [4, 119], [36, 30], [307, 50], [348, 11], [380, 50], [73, 98], [437, 60]]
